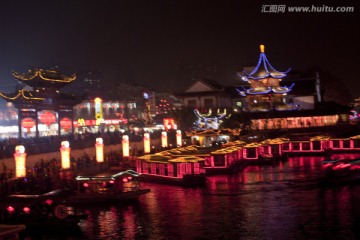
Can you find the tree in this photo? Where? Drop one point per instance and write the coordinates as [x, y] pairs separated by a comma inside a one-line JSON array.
[[333, 88]]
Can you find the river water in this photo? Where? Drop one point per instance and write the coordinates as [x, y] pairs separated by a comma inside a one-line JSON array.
[[282, 201]]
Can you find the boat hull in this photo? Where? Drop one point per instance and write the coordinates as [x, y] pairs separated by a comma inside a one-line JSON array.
[[188, 180], [109, 197]]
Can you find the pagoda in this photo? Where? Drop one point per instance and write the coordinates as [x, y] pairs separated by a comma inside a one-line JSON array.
[[265, 92], [40, 101]]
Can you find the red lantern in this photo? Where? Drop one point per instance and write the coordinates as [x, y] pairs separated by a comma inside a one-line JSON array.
[[28, 123], [47, 118], [65, 123]]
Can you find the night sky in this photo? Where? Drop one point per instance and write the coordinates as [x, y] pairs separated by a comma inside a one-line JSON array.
[[163, 44]]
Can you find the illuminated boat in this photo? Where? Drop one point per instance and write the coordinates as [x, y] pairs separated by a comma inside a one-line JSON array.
[[342, 171], [330, 163], [184, 170], [341, 164], [52, 210], [106, 187]]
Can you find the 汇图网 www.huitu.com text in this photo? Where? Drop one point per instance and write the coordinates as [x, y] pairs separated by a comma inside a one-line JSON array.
[[306, 9]]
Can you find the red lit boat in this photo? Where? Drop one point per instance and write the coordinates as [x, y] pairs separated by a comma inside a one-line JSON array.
[[182, 170], [341, 171]]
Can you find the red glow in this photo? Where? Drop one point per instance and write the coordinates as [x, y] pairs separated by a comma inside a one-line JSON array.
[[26, 210], [10, 209], [47, 117], [112, 181], [49, 201], [28, 123], [130, 178], [327, 165], [342, 166], [65, 123], [125, 180], [86, 185]]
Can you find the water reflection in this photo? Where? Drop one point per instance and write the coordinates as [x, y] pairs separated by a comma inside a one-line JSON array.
[[111, 222], [281, 201]]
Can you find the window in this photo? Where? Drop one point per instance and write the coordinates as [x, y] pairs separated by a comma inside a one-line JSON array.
[[191, 103], [208, 102]]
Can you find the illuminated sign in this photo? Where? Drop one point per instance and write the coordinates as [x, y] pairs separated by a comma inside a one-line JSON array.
[[98, 111]]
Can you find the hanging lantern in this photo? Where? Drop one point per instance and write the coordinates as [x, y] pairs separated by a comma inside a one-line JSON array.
[[28, 123], [65, 123], [47, 118]]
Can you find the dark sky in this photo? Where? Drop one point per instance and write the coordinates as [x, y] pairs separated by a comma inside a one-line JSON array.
[[160, 43]]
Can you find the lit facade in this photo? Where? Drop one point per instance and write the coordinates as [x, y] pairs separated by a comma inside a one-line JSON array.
[[265, 92], [41, 101]]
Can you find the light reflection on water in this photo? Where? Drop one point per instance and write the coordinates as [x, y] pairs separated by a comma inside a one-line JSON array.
[[283, 201]]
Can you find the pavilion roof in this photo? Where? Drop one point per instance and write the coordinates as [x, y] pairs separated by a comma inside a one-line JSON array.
[[44, 78], [264, 69]]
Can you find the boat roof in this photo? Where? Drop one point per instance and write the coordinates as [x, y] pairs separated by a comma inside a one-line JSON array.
[[32, 198], [10, 231], [106, 177]]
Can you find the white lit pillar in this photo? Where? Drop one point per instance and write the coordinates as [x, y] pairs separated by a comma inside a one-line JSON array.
[[146, 143], [125, 146], [99, 147], [164, 141], [20, 161], [65, 155], [178, 138]]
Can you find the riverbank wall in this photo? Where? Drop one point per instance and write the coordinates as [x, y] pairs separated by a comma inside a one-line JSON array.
[[31, 160]]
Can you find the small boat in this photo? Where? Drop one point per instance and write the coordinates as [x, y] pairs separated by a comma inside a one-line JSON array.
[[116, 188], [329, 163], [341, 171], [50, 210], [341, 164]]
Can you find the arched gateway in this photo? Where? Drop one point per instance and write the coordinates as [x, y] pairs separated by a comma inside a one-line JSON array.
[[40, 102]]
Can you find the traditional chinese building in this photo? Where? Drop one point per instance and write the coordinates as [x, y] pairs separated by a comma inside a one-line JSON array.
[[265, 92], [42, 109], [205, 94], [269, 104]]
